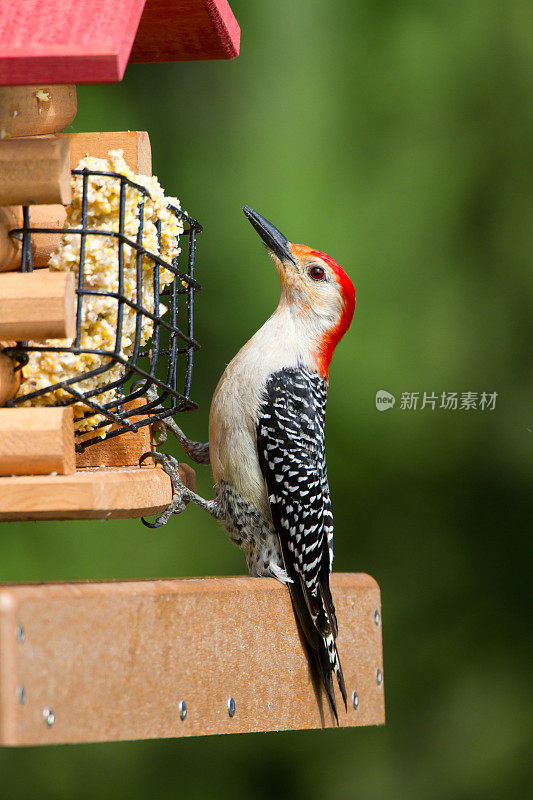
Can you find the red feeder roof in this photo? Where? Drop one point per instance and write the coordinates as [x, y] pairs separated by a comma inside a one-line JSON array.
[[91, 41]]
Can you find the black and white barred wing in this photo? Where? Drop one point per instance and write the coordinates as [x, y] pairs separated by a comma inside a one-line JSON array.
[[290, 444]]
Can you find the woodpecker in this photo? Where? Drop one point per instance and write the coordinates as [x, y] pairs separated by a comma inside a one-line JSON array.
[[266, 441]]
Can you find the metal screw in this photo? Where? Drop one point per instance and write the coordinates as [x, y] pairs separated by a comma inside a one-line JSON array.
[[182, 709], [355, 700], [376, 616], [49, 716], [19, 633], [231, 706], [21, 694], [379, 677]]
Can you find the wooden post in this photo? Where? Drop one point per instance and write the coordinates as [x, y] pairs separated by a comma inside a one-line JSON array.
[[93, 662], [10, 248], [138, 156], [9, 378], [36, 441], [37, 305], [120, 451], [43, 244], [134, 144], [33, 110], [34, 170]]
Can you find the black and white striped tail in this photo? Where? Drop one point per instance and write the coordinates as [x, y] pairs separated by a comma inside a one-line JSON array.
[[290, 448], [329, 664]]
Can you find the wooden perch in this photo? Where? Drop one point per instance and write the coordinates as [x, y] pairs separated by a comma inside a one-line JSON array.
[[37, 305], [97, 493], [93, 662], [34, 170], [36, 441], [34, 110]]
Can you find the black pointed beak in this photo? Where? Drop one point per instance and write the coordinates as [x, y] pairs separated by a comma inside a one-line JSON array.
[[274, 239]]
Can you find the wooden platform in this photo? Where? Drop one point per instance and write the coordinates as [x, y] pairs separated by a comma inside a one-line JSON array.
[[90, 493], [92, 662]]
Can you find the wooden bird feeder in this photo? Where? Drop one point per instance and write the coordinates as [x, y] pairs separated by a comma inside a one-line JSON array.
[[198, 654]]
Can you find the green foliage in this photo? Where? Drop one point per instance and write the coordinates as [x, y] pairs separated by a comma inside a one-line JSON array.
[[397, 138]]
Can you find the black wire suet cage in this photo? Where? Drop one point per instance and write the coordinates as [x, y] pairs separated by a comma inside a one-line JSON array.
[[164, 364]]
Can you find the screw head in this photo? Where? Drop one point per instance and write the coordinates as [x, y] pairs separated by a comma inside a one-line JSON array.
[[231, 706], [379, 677], [355, 700], [182, 706], [20, 634], [377, 616], [21, 695], [49, 716]]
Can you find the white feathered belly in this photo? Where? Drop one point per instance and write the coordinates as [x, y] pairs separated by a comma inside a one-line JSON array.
[[232, 440], [232, 420]]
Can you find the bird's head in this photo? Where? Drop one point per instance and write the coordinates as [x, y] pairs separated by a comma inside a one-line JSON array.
[[315, 288]]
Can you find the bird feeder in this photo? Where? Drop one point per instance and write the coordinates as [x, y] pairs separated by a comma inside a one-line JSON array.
[[65, 648]]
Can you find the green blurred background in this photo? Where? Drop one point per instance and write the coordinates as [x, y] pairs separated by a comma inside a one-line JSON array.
[[397, 138]]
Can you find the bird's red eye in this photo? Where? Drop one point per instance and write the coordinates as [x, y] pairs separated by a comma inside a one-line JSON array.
[[317, 273]]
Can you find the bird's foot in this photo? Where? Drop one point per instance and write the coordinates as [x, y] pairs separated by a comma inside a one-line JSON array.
[[180, 493], [198, 451]]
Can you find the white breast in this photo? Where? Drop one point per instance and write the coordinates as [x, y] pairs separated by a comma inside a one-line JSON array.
[[232, 420]]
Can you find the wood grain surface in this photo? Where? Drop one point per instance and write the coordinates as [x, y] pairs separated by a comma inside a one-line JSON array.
[[186, 30], [9, 378], [36, 441], [34, 170], [91, 493], [113, 661], [37, 305], [71, 41], [137, 154], [10, 248], [134, 144], [53, 216], [66, 41], [33, 110], [121, 451]]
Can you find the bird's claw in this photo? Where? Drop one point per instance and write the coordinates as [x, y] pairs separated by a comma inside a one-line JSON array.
[[179, 491]]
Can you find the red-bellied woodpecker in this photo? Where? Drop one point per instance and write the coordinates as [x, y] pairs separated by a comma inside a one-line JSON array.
[[266, 441]]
